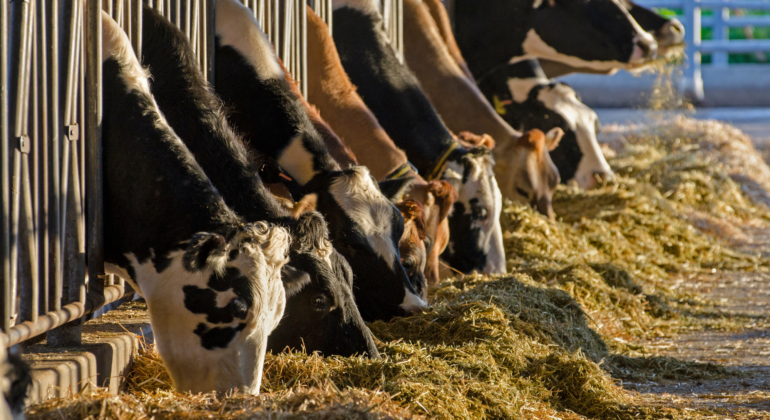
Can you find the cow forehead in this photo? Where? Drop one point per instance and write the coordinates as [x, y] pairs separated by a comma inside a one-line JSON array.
[[371, 213]]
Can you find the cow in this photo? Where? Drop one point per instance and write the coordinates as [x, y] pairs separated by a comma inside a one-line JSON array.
[[668, 33], [463, 106], [212, 282], [316, 271], [394, 96], [527, 99], [596, 34], [330, 89], [365, 226]]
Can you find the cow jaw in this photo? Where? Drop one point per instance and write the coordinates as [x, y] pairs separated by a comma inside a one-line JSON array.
[[205, 345]]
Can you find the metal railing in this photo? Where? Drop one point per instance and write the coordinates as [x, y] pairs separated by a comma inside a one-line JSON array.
[[51, 245], [393, 15], [720, 21]]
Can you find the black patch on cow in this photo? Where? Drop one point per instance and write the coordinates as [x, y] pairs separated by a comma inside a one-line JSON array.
[[532, 113], [204, 301], [202, 247], [491, 32], [466, 251], [217, 337], [144, 160]]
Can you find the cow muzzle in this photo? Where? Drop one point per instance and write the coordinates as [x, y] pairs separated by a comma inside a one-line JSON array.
[[645, 49], [670, 35]]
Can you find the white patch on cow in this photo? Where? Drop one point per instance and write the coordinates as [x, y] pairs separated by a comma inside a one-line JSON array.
[[581, 119], [520, 88], [369, 210], [262, 253], [369, 7], [412, 303], [536, 4], [237, 28], [115, 44], [297, 161], [535, 47], [482, 185]]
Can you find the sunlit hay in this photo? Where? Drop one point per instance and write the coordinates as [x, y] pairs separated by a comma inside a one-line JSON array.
[[300, 403], [665, 94]]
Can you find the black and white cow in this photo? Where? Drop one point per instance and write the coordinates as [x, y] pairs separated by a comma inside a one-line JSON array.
[[365, 226], [668, 33], [212, 283], [15, 381], [318, 279], [594, 34], [394, 95], [527, 99]]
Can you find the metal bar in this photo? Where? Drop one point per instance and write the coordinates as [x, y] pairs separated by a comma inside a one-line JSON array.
[[210, 33], [93, 135], [303, 46], [54, 237], [195, 27], [693, 82], [5, 257], [719, 32], [54, 319], [186, 13], [736, 21], [42, 162], [136, 25], [735, 45]]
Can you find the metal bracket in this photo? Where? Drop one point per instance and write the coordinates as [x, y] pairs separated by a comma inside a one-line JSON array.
[[24, 144], [73, 132]]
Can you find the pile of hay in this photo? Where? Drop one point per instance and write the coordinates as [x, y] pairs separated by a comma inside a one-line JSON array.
[[542, 342]]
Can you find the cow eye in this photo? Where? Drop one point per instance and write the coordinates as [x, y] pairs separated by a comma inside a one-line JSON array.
[[319, 302], [522, 192], [407, 263]]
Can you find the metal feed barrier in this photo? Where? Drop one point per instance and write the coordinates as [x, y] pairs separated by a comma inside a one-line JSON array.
[[51, 244]]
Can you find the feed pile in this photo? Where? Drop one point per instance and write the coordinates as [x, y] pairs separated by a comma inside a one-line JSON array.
[[548, 340]]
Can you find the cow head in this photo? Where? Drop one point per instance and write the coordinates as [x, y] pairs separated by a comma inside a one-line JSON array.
[[528, 100], [437, 199], [527, 175], [596, 34], [321, 314], [367, 230], [476, 242], [412, 245], [668, 33], [213, 304]]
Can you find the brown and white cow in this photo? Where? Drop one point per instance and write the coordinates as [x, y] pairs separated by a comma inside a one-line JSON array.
[[212, 283], [464, 108], [330, 89], [395, 97]]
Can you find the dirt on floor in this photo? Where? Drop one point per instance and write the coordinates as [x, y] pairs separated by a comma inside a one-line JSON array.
[[742, 300]]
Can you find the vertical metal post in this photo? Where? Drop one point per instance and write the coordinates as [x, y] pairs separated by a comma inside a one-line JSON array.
[[693, 81], [303, 46], [93, 137], [209, 45], [136, 25], [42, 160], [54, 236], [720, 32], [5, 257]]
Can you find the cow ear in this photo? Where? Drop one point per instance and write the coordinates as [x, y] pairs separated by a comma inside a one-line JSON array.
[[306, 204], [553, 137], [294, 280], [394, 189], [206, 250]]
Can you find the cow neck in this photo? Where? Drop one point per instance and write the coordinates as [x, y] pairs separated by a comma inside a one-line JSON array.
[[488, 39], [391, 91], [200, 119], [250, 80], [454, 96], [331, 90], [156, 197]]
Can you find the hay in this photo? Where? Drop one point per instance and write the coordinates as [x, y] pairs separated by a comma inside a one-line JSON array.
[[539, 342]]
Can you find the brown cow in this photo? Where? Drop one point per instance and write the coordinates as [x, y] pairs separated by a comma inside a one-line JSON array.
[[330, 89], [429, 54]]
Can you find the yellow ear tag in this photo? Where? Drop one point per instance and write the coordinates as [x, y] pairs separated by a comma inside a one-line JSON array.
[[499, 105]]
